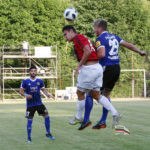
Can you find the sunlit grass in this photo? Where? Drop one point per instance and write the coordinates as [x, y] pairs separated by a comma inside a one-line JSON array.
[[135, 117]]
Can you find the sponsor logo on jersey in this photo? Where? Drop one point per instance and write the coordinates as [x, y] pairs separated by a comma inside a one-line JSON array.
[[34, 89], [38, 83], [98, 43]]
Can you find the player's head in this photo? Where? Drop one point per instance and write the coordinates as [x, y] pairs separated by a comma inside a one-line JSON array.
[[100, 26], [69, 32], [33, 71]]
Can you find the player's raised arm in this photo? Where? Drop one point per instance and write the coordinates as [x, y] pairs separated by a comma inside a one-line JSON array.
[[133, 48]]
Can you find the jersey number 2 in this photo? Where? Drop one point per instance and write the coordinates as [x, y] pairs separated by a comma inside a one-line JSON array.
[[114, 47]]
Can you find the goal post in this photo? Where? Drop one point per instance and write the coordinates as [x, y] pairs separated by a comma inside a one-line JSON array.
[[132, 83]]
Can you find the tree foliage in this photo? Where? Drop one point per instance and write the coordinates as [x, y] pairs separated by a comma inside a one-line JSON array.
[[40, 22], [127, 18]]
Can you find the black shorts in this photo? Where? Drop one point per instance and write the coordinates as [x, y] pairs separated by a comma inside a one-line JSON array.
[[110, 77], [41, 109]]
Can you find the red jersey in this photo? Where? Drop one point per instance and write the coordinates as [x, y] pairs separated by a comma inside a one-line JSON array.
[[79, 42]]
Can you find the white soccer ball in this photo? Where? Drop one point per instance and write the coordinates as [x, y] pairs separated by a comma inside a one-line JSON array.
[[70, 14]]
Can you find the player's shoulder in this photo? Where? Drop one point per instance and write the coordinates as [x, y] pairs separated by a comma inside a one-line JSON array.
[[106, 36], [80, 40], [81, 36], [39, 80], [98, 41], [118, 38], [114, 35], [26, 80], [102, 36], [98, 38]]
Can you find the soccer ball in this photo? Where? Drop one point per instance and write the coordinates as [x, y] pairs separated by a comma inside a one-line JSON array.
[[70, 14]]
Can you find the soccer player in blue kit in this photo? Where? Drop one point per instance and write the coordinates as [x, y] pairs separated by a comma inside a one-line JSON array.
[[30, 88], [107, 46]]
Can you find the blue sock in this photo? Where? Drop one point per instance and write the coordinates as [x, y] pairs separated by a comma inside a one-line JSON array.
[[29, 127], [47, 124], [88, 107], [104, 115]]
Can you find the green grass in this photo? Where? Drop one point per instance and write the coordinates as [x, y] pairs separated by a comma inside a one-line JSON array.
[[136, 117]]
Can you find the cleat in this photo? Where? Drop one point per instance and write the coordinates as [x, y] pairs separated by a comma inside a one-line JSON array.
[[29, 140], [100, 125], [116, 120], [84, 125], [50, 136], [75, 121]]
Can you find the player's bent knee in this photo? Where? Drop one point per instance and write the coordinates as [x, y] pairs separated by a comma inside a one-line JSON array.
[[106, 93], [95, 94], [81, 95], [96, 97], [44, 116]]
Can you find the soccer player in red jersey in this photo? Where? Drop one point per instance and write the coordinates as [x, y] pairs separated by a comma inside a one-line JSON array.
[[90, 75]]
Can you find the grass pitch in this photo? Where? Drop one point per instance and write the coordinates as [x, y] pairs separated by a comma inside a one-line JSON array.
[[136, 117]]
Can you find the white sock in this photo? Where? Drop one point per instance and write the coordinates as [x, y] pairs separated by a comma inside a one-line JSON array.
[[105, 102], [80, 108]]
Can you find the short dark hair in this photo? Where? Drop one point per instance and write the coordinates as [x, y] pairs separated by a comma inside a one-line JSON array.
[[68, 28], [101, 23], [32, 67]]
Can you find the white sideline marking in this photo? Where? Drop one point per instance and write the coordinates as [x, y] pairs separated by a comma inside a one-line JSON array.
[[69, 101]]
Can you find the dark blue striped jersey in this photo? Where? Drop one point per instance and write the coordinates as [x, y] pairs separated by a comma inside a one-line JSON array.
[[111, 43], [33, 88]]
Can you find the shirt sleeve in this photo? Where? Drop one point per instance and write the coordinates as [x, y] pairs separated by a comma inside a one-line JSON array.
[[23, 84], [42, 84], [119, 39], [99, 43]]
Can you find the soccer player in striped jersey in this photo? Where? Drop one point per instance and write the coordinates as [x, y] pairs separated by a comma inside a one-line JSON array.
[[30, 88]]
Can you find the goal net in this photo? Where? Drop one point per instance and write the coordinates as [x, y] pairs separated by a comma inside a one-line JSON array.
[[132, 83]]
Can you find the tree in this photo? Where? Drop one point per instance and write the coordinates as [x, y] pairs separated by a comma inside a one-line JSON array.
[[40, 22], [126, 18]]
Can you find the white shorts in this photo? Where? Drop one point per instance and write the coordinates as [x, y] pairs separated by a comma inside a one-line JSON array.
[[90, 78]]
